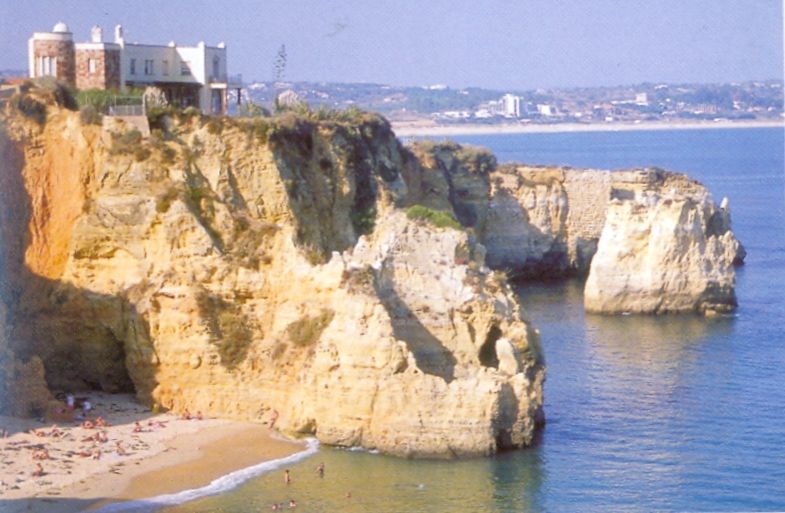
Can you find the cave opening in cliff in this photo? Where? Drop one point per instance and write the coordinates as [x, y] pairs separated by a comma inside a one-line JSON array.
[[488, 355]]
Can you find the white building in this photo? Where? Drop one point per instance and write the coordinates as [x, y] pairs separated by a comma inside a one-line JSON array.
[[642, 99], [511, 106], [188, 75], [545, 109]]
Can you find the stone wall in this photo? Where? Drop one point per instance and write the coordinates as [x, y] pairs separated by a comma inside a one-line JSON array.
[[64, 51], [588, 192], [107, 69]]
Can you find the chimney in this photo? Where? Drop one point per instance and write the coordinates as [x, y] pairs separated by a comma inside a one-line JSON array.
[[118, 34], [96, 34]]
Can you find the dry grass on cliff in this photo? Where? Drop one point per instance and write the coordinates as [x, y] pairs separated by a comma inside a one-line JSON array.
[[452, 156], [306, 331], [438, 218]]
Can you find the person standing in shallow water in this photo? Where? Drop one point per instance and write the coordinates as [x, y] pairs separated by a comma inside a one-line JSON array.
[[286, 478], [320, 469]]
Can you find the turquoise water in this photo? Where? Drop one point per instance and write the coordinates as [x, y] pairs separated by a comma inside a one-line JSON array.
[[675, 413]]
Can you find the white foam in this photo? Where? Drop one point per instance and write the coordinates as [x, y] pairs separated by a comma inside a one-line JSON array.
[[219, 485]]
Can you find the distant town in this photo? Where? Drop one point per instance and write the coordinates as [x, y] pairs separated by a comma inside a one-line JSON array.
[[442, 105]]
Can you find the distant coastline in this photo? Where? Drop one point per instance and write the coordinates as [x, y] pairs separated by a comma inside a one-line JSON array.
[[417, 129]]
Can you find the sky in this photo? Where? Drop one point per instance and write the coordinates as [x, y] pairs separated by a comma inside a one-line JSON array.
[[499, 44]]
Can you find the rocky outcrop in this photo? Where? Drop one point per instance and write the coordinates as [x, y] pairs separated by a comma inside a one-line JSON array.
[[664, 250], [270, 268], [246, 267], [664, 245]]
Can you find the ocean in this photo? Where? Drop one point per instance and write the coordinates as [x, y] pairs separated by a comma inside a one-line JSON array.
[[672, 413]]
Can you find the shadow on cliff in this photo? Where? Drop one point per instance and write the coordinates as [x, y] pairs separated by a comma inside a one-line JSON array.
[[545, 259], [429, 352], [80, 335]]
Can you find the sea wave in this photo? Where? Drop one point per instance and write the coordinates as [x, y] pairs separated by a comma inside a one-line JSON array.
[[219, 485]]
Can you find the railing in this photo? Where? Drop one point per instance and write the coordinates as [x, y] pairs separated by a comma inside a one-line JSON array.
[[127, 106], [126, 110]]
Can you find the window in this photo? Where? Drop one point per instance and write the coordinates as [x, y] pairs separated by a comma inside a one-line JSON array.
[[185, 68], [91, 66], [216, 67], [47, 66], [133, 67], [148, 66], [165, 67]]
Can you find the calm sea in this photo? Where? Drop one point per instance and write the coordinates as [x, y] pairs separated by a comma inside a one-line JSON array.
[[676, 413]]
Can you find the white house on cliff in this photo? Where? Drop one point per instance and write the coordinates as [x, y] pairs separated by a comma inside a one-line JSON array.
[[188, 75]]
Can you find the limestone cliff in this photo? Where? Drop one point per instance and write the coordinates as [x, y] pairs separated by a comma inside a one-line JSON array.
[[269, 267], [662, 250], [661, 242], [241, 267]]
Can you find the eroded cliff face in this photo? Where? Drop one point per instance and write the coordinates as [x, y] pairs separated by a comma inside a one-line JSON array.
[[241, 268], [667, 248], [267, 268], [650, 241]]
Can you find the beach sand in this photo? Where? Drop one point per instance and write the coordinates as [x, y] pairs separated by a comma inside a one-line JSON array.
[[428, 129], [167, 456]]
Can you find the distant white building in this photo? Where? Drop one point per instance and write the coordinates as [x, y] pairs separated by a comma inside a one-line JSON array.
[[188, 75], [545, 110], [511, 106], [642, 99]]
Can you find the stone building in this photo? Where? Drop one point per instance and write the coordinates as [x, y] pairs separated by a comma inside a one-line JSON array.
[[188, 75]]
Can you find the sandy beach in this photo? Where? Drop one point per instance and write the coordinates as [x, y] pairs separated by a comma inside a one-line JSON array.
[[427, 129], [162, 454]]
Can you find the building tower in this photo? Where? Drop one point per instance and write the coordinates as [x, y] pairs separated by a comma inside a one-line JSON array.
[[52, 54], [98, 63]]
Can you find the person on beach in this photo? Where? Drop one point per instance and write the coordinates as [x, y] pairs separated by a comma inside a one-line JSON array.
[[320, 469], [137, 427], [286, 478], [39, 470], [292, 503], [186, 415], [274, 507], [69, 401], [273, 418], [86, 407]]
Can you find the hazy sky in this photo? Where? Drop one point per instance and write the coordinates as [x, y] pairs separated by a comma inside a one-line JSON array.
[[501, 44]]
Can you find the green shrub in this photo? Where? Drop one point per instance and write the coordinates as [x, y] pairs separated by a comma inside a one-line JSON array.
[[307, 330], [100, 99], [251, 109], [29, 107], [157, 117], [235, 337], [56, 92], [363, 221], [438, 218], [89, 115], [128, 143], [215, 125], [164, 201], [189, 113]]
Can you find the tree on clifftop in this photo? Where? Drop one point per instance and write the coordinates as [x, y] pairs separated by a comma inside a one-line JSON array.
[[280, 63]]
